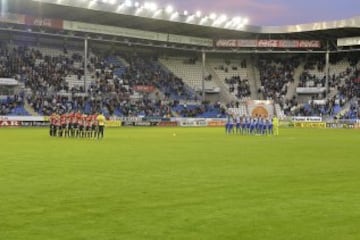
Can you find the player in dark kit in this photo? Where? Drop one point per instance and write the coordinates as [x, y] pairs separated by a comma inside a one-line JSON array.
[[57, 125], [88, 121], [78, 119], [52, 124], [63, 127], [73, 124], [81, 126], [93, 126], [68, 125]]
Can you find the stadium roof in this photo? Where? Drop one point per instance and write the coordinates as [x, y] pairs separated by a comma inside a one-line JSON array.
[[321, 30]]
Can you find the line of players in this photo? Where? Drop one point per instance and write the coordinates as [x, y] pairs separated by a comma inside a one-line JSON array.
[[75, 125], [252, 125]]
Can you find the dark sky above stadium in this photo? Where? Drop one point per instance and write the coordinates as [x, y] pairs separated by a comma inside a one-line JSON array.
[[273, 12]]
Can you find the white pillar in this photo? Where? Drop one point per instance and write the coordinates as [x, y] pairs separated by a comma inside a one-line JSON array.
[[327, 70], [203, 75], [85, 62]]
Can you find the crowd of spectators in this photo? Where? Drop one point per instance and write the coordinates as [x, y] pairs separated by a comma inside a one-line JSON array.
[[317, 63], [229, 66], [351, 87], [342, 82], [328, 108], [237, 86], [113, 94], [145, 70], [347, 85], [204, 110], [10, 103], [275, 74], [240, 87], [353, 112], [351, 92], [308, 80]]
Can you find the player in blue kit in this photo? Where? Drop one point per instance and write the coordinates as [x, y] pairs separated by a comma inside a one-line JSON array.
[[252, 126], [248, 125], [238, 124], [229, 126], [262, 126], [259, 125], [243, 125], [269, 127]]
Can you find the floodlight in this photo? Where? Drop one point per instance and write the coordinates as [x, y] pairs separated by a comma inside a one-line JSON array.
[[150, 6], [237, 20], [120, 7], [240, 26], [153, 7], [228, 24], [92, 3], [213, 16], [190, 18], [139, 10], [174, 16], [128, 3], [221, 19], [157, 13], [169, 9], [203, 20]]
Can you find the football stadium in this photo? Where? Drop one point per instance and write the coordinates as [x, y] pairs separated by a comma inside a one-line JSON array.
[[127, 120]]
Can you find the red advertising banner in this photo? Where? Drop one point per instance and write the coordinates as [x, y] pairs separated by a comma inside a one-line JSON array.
[[168, 124], [216, 123], [309, 44], [267, 43], [44, 22], [9, 124], [144, 88], [227, 43]]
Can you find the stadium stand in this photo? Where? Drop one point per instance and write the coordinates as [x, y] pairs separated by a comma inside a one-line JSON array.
[[275, 75], [124, 75], [234, 73], [56, 83], [342, 88], [190, 70], [13, 106], [54, 80]]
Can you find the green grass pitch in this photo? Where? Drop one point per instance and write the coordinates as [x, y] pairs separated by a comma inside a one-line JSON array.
[[146, 183]]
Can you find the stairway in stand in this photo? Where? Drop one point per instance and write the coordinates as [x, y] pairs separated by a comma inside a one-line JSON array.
[[30, 110]]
